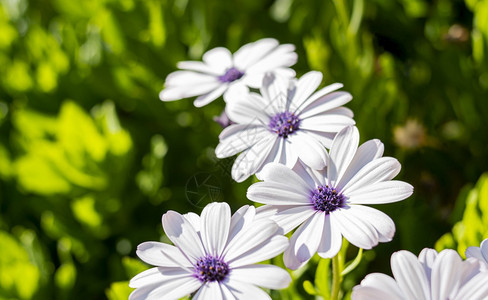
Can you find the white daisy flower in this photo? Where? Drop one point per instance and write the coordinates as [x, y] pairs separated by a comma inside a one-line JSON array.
[[327, 205], [480, 253], [431, 276], [220, 71], [214, 256], [286, 122]]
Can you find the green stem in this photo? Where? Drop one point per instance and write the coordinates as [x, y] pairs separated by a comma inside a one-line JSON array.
[[336, 277]]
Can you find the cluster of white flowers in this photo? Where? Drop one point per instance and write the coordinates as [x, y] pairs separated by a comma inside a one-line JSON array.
[[302, 144]]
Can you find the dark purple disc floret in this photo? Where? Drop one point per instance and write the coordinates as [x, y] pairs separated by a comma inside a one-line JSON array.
[[230, 75], [327, 199], [284, 123], [209, 268]]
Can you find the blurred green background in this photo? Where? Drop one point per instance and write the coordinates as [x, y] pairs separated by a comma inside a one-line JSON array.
[[90, 158]]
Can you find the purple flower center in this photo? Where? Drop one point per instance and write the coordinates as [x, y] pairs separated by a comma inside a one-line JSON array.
[[209, 268], [284, 123], [326, 199], [230, 75]]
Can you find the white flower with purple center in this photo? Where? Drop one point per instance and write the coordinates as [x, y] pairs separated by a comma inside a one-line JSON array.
[[480, 253], [287, 122], [215, 257], [329, 204], [431, 276], [221, 71]]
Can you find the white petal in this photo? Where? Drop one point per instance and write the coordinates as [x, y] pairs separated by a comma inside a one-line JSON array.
[[277, 194], [160, 275], [282, 56], [219, 59], [248, 109], [205, 99], [180, 92], [366, 153], [356, 230], [239, 137], [484, 249], [251, 160], [381, 169], [243, 290], [173, 289], [410, 275], [275, 91], [476, 288], [285, 154], [209, 291], [313, 178], [287, 217], [278, 173], [326, 122], [323, 104], [427, 258], [261, 252], [252, 52], [324, 138], [306, 85], [194, 219], [267, 276], [446, 274], [319, 94], [215, 227], [381, 222], [377, 286], [474, 252], [381, 192], [259, 232], [162, 255], [309, 150], [240, 220], [184, 79], [341, 153], [197, 66], [183, 235], [331, 241], [304, 242]]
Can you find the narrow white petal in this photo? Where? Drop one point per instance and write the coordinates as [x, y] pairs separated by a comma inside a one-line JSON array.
[[317, 95], [381, 192], [239, 137], [173, 289], [252, 52], [243, 290], [240, 220], [323, 104], [366, 153], [356, 230], [251, 160], [381, 169], [275, 91], [331, 241], [313, 178], [197, 66], [341, 153], [205, 99], [209, 291], [194, 219], [476, 288], [259, 232], [326, 122], [288, 217], [381, 222], [410, 275], [159, 275], [162, 255], [306, 85], [278, 173], [219, 59], [427, 258], [484, 249], [185, 79], [277, 194], [309, 150], [180, 92], [446, 274], [475, 252], [183, 235], [282, 56], [248, 109], [304, 242], [324, 138], [261, 252], [215, 227], [377, 286], [267, 276]]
